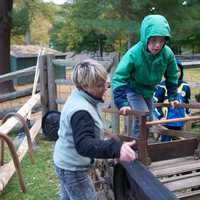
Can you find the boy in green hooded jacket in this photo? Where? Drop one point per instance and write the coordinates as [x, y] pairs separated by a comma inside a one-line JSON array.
[[142, 68]]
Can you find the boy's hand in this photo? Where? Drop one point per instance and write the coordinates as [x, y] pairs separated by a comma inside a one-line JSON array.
[[174, 103], [125, 110]]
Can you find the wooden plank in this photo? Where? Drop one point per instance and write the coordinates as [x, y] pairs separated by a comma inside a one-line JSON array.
[[43, 84], [5, 111], [183, 184], [6, 127], [176, 169], [172, 162], [71, 62], [192, 195], [164, 121], [51, 83], [179, 105], [191, 64], [172, 149], [17, 74], [138, 183], [64, 82], [180, 177], [175, 133], [16, 94]]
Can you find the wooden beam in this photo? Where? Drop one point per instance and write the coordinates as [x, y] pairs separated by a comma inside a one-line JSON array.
[[179, 105], [17, 94], [23, 111], [171, 167], [17, 74], [165, 121], [181, 134], [172, 149], [70, 62], [138, 183]]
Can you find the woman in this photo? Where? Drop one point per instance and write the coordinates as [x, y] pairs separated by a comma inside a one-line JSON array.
[[80, 134]]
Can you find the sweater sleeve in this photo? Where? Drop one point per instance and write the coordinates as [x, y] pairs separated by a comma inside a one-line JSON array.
[[86, 143]]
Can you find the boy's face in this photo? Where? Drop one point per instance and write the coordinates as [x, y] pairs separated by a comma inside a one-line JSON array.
[[155, 44]]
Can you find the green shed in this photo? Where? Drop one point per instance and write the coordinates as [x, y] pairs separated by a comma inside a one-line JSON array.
[[23, 56]]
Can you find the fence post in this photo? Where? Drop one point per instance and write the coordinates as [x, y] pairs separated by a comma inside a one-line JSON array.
[[51, 83], [43, 84], [115, 116]]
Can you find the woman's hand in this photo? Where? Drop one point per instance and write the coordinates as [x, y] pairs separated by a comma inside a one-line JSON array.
[[125, 110], [126, 152]]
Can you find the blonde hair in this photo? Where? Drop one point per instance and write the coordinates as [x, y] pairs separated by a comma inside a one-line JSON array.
[[88, 73]]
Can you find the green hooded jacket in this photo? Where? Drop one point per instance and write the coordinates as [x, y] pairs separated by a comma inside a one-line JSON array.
[[140, 70]]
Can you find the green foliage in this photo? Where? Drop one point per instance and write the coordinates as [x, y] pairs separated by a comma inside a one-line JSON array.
[[20, 20], [82, 25], [28, 13]]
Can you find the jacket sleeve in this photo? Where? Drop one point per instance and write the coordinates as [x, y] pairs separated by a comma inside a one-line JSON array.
[[120, 97], [121, 79], [158, 97], [172, 78], [86, 143]]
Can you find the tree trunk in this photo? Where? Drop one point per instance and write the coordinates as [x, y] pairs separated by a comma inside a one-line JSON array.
[[27, 37], [5, 29]]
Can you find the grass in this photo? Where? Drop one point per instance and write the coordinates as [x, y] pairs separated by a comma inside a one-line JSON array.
[[41, 182]]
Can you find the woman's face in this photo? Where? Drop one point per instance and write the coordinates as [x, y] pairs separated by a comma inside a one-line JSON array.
[[155, 44], [97, 90]]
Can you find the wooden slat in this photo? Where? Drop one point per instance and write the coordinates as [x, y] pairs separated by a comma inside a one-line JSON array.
[[52, 91], [172, 162], [171, 150], [17, 74], [180, 177], [164, 121], [176, 169], [175, 133], [16, 94], [191, 64], [64, 82], [183, 184], [23, 111], [192, 195], [179, 105]]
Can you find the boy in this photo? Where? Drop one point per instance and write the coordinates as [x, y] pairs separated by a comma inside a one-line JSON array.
[[142, 68], [160, 96]]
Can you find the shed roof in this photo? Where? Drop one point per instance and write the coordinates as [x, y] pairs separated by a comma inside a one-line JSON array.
[[23, 51]]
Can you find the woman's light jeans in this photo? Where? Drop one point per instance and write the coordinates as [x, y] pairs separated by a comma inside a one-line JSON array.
[[139, 103], [75, 185]]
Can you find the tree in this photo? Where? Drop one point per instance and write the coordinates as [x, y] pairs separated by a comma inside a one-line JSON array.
[[5, 29]]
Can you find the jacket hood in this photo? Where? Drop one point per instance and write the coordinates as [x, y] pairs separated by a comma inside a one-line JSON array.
[[154, 25]]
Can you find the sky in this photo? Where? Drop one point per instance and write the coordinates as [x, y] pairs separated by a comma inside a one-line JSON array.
[[56, 1]]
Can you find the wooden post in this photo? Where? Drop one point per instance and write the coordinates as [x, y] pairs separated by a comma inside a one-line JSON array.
[[115, 116], [43, 84], [128, 125], [51, 83], [142, 142]]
